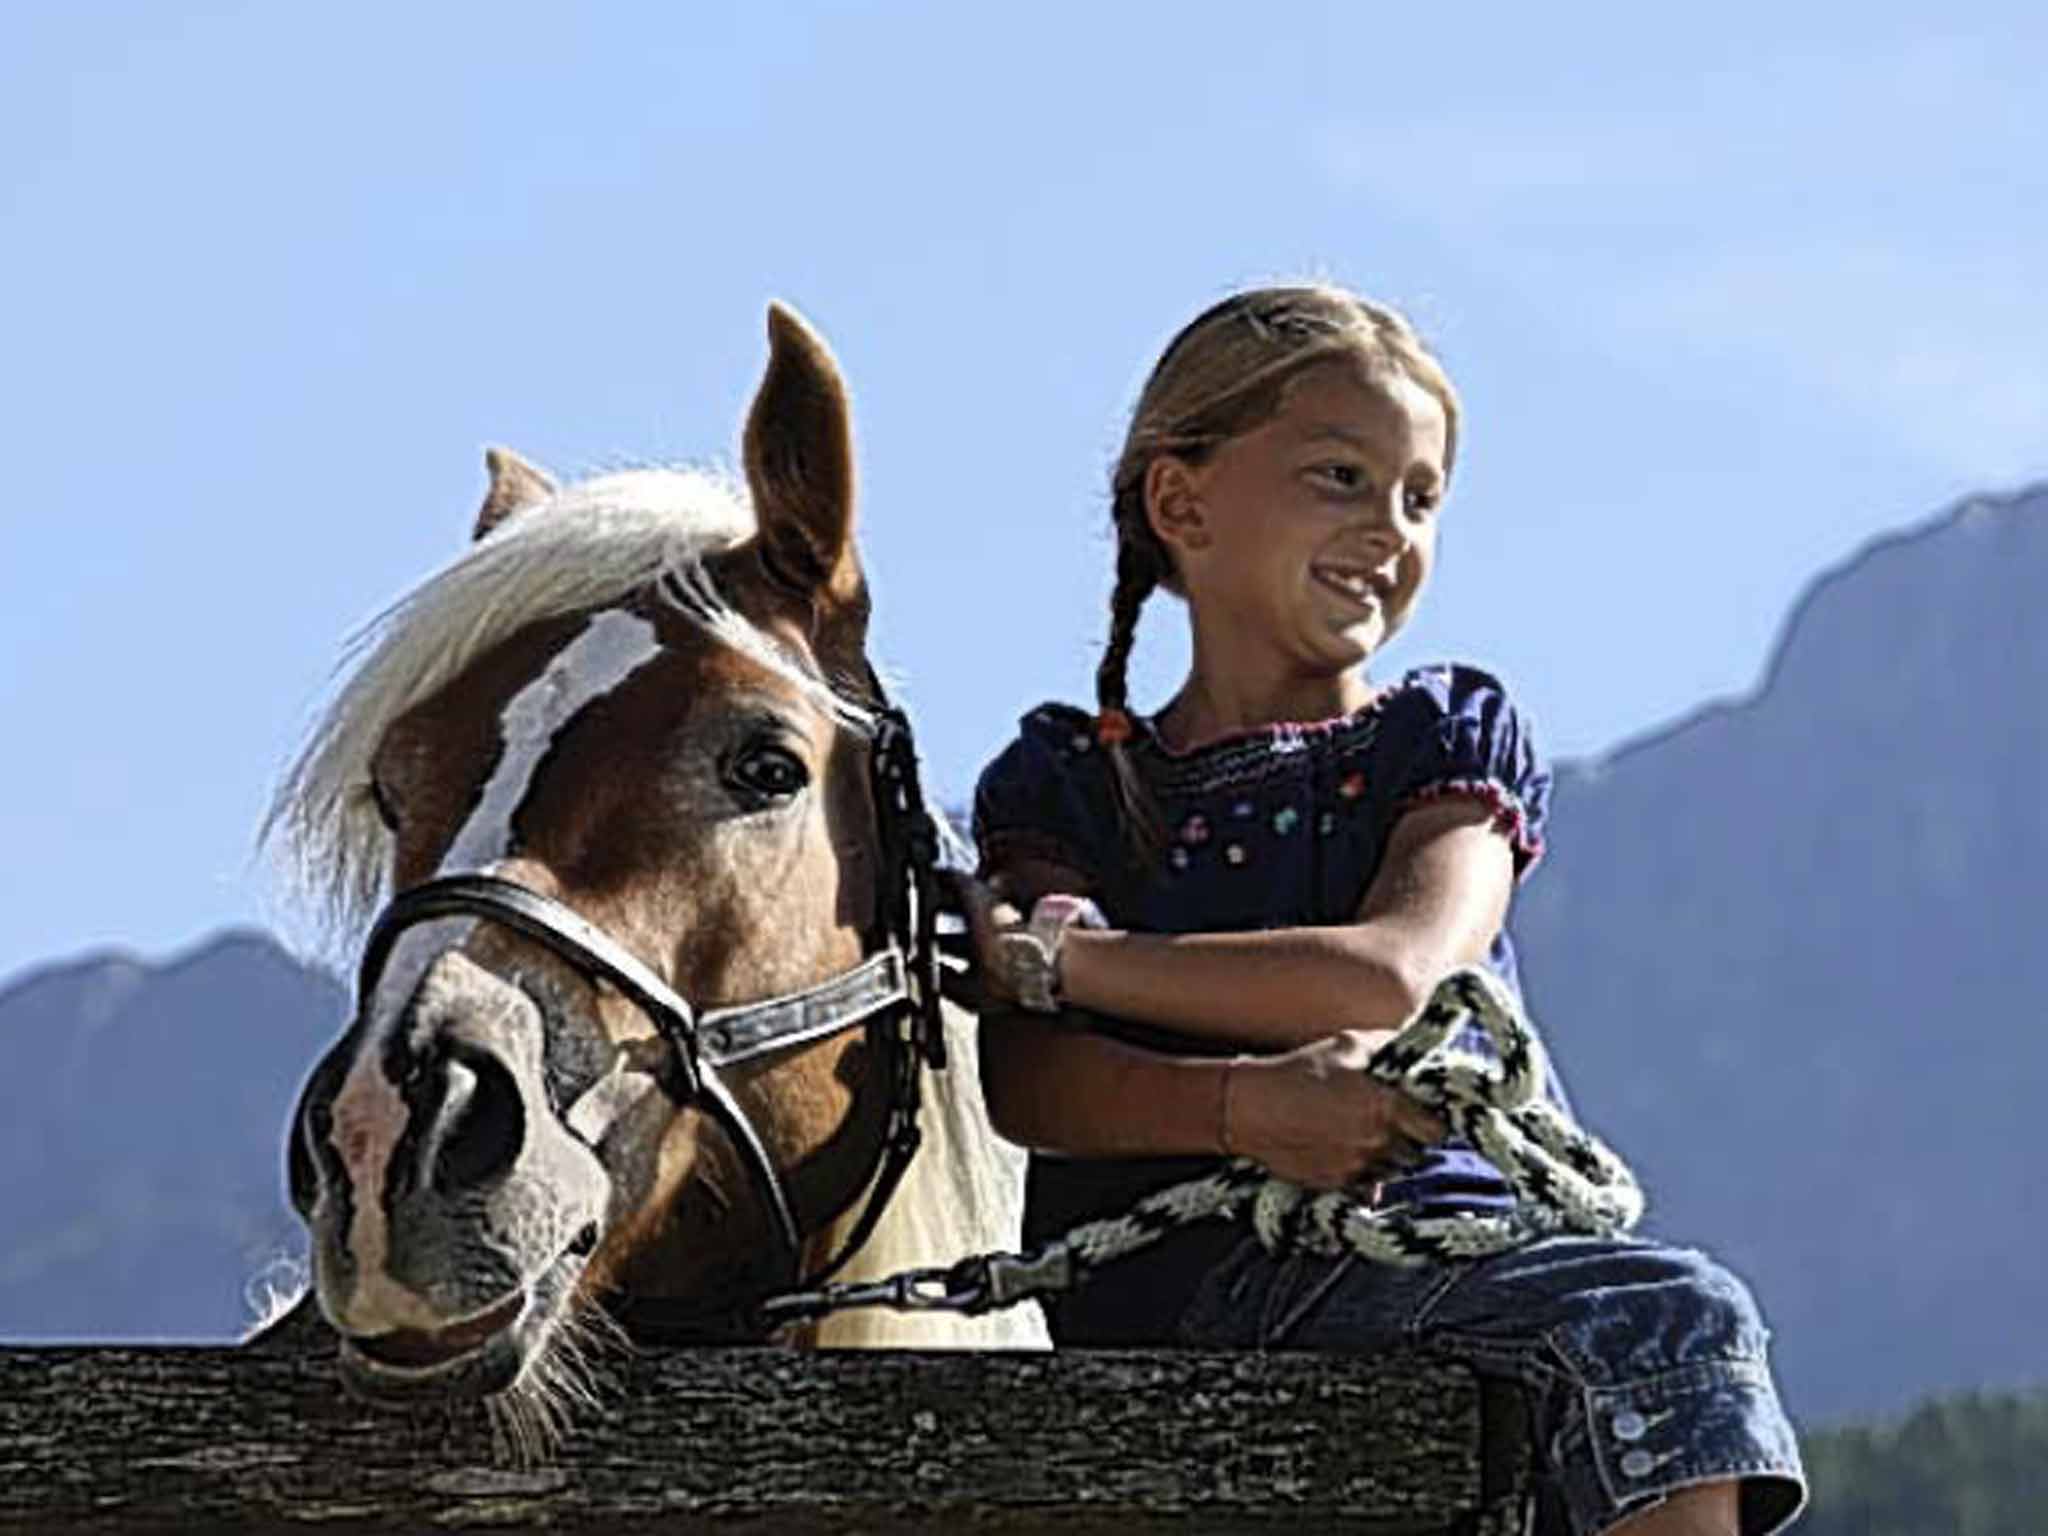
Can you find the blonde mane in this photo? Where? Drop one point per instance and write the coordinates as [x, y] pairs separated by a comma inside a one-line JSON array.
[[964, 1195], [590, 545]]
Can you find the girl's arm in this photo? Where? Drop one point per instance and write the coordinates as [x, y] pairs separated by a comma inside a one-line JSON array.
[[1056, 1087], [1310, 1114], [1437, 902]]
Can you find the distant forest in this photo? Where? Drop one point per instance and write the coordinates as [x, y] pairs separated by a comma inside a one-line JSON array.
[[1973, 1465]]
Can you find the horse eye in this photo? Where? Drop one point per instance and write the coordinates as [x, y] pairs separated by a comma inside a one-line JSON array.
[[767, 773], [387, 807]]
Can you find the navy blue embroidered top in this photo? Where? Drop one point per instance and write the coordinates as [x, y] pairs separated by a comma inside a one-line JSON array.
[[1279, 827]]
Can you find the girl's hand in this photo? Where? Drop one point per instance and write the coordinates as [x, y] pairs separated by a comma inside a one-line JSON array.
[[1313, 1117], [989, 916]]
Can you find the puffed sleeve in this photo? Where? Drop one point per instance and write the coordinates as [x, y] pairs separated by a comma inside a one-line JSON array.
[[1045, 795], [1472, 742]]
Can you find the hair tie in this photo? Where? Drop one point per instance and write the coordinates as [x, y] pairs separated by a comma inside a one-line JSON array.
[[1112, 727]]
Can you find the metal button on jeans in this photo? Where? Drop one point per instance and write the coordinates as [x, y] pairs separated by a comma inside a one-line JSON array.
[[1638, 1463], [1629, 1426]]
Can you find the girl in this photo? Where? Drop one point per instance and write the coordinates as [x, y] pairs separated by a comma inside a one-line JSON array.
[[1235, 901]]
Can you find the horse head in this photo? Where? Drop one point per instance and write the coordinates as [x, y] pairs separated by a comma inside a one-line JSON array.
[[641, 702]]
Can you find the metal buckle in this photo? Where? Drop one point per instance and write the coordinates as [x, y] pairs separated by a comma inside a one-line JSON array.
[[974, 1285], [1014, 1277]]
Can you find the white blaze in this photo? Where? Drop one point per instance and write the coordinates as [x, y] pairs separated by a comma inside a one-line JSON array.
[[369, 1114], [612, 647]]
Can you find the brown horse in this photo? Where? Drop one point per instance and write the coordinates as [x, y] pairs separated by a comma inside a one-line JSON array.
[[637, 712]]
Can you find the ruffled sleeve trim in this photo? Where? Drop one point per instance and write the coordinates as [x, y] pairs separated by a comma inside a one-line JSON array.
[[1511, 817], [1475, 744]]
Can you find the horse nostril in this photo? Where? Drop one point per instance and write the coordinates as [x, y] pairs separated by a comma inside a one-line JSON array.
[[309, 1152], [302, 1177], [310, 1158], [486, 1125]]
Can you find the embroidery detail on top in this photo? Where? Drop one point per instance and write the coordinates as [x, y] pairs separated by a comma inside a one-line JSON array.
[[1235, 855], [1195, 830], [1286, 819], [1080, 742], [1239, 762], [1177, 857], [1351, 786], [1243, 810], [1326, 823]]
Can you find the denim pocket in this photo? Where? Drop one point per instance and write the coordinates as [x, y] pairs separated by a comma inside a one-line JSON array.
[[1352, 1305], [1226, 1307]]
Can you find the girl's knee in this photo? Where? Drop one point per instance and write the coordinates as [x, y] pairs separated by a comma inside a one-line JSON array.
[[1727, 1323], [1672, 1308]]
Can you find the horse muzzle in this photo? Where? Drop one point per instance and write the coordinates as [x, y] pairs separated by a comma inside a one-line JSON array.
[[450, 1209]]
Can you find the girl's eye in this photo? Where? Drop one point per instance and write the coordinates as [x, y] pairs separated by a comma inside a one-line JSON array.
[[767, 773], [1420, 500], [1347, 477]]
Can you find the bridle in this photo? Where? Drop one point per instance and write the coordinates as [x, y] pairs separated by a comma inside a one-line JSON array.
[[894, 991]]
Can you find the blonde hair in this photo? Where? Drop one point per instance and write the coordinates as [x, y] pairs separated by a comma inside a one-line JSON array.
[[1226, 373]]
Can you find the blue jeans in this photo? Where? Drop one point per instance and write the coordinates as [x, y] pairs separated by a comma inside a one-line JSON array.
[[1644, 1365]]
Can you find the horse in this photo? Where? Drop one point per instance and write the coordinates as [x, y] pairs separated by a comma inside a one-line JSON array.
[[634, 1031]]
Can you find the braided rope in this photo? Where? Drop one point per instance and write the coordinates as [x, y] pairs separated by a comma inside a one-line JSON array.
[[1565, 1179]]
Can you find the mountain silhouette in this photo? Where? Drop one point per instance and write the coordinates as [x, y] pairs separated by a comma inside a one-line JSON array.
[[1785, 952], [141, 1135]]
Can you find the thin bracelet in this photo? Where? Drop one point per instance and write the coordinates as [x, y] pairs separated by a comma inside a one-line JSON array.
[[1223, 1106]]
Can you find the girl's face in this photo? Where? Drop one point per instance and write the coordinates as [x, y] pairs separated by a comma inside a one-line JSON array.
[[1303, 543]]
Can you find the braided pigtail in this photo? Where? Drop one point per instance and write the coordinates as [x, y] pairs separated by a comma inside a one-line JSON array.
[[1140, 566]]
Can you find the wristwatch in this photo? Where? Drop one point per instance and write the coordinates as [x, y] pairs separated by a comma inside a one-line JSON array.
[[1030, 955]]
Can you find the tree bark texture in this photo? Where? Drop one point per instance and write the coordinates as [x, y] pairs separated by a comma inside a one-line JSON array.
[[1086, 1443]]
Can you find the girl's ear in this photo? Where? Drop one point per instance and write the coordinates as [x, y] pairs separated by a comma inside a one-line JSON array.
[[1173, 505], [799, 460], [515, 486]]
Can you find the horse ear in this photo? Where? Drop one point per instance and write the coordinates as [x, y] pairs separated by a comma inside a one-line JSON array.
[[515, 486], [799, 457]]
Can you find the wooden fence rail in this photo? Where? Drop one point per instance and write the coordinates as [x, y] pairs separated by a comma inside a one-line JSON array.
[[1086, 1443]]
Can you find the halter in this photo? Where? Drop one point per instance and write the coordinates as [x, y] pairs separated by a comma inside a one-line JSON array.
[[895, 990]]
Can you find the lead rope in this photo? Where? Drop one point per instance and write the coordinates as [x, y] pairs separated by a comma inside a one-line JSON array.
[[1565, 1179]]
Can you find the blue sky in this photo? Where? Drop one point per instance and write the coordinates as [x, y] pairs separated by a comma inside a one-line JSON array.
[[1728, 291]]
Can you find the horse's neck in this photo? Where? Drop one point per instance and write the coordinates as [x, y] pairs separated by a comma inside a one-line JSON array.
[[963, 1194]]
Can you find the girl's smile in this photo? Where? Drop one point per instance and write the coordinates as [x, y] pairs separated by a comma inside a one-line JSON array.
[[1368, 589]]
